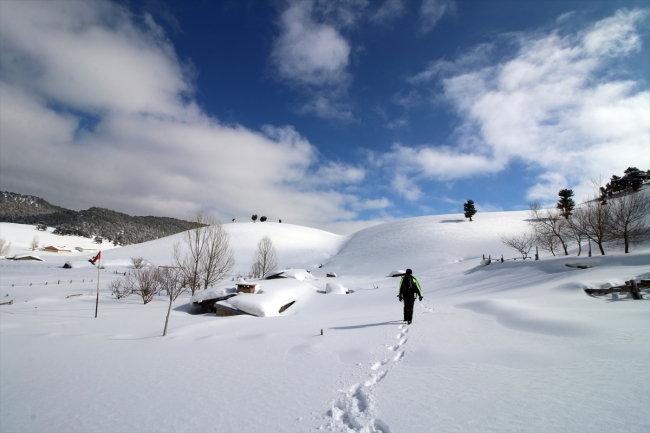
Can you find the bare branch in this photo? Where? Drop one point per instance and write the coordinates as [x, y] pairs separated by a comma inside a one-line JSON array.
[[138, 262], [120, 288], [522, 243]]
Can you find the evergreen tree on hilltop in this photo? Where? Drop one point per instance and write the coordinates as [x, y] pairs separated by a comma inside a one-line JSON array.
[[469, 209], [566, 203], [634, 178]]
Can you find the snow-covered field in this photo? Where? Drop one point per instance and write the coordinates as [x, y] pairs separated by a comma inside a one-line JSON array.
[[514, 346]]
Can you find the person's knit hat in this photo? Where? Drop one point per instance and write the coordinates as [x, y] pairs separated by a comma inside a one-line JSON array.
[[409, 272]]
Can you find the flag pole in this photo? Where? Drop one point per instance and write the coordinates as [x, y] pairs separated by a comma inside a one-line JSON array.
[[97, 299]]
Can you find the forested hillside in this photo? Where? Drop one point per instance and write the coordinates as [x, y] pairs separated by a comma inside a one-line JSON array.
[[112, 226]]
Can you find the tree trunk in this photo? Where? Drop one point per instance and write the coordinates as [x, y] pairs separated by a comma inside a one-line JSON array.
[[167, 319], [600, 246]]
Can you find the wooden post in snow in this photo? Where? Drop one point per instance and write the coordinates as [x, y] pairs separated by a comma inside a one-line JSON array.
[[99, 262], [634, 290]]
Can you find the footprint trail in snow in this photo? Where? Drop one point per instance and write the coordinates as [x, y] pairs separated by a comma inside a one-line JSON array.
[[355, 409]]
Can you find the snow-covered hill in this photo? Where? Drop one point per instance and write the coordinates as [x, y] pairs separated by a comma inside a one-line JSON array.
[[514, 346]]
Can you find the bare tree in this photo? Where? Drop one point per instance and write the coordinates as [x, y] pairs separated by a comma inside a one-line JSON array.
[[4, 247], [546, 239], [207, 258], [522, 243], [34, 244], [120, 288], [550, 223], [170, 280], [143, 282], [629, 222], [593, 220], [265, 258], [218, 259], [138, 262]]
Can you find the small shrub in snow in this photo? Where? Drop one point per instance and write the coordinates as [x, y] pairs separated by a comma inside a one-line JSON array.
[[143, 282], [34, 244], [138, 262], [522, 243], [119, 288], [4, 247]]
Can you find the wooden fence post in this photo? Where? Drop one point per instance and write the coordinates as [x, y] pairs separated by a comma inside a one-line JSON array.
[[634, 290]]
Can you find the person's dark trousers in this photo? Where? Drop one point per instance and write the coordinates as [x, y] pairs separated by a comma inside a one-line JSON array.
[[408, 308]]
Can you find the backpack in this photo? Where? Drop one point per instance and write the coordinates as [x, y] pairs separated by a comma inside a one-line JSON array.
[[408, 286]]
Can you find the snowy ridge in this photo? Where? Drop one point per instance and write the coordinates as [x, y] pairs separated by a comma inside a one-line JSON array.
[[504, 347]]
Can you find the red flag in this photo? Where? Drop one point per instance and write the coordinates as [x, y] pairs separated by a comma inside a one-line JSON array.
[[96, 258]]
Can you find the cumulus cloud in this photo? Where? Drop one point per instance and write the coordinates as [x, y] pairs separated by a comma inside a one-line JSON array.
[[312, 55], [406, 187], [307, 52], [557, 103], [97, 110]]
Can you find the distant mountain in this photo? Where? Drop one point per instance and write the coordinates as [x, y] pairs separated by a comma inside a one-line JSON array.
[[113, 226]]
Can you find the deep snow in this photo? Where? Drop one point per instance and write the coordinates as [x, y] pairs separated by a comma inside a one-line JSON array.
[[514, 346]]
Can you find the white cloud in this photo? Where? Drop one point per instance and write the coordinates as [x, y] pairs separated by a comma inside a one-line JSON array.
[[151, 149], [334, 173], [370, 204], [406, 187], [616, 35], [431, 11], [311, 55], [555, 104], [388, 11], [327, 107], [440, 163], [307, 52]]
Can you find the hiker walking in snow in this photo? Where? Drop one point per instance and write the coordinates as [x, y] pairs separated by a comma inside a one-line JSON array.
[[409, 288]]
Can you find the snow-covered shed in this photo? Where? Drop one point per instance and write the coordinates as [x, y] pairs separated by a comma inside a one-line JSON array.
[[53, 249], [27, 257], [85, 250], [296, 274], [244, 286]]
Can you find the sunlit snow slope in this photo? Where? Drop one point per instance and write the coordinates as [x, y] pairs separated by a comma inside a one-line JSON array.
[[514, 346]]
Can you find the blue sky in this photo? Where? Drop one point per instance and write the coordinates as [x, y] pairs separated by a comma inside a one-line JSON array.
[[332, 114]]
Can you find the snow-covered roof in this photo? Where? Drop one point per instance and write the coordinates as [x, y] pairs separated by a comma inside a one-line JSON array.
[[336, 289], [276, 294], [296, 274], [212, 293], [74, 264], [27, 257], [62, 249]]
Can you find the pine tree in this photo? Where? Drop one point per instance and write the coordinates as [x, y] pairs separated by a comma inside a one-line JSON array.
[[566, 203], [469, 209]]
